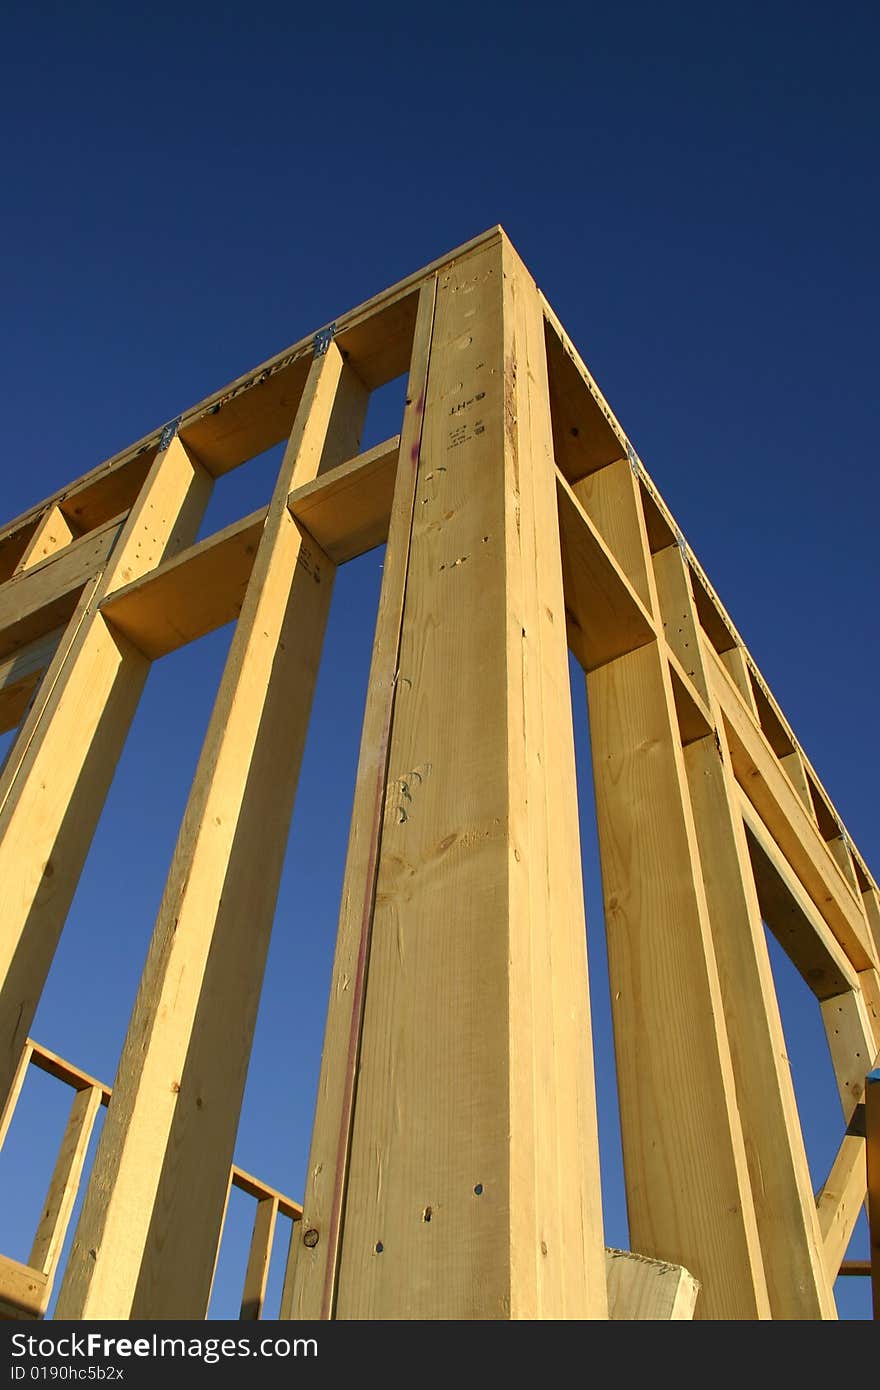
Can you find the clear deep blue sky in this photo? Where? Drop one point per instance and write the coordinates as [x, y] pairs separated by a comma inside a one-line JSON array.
[[694, 188]]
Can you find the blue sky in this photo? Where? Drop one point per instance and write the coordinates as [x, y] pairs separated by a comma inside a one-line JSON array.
[[694, 189]]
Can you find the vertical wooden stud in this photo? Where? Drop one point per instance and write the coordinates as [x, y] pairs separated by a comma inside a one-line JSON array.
[[853, 1046], [14, 1091], [840, 1200], [735, 661], [53, 532], [64, 1185], [59, 770], [688, 1192], [791, 1245], [872, 1148], [841, 852], [145, 1246], [310, 1281], [871, 904], [259, 1255], [793, 764]]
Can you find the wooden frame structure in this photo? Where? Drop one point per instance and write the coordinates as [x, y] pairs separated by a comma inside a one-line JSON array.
[[454, 1168], [25, 1289]]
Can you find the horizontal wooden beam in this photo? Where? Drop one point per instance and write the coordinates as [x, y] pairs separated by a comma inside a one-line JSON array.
[[41, 599], [255, 411], [65, 1071], [347, 510], [246, 1182], [23, 1291], [770, 791], [606, 617], [189, 595], [792, 916]]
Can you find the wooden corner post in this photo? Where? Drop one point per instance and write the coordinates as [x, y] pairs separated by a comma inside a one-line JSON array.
[[454, 1168]]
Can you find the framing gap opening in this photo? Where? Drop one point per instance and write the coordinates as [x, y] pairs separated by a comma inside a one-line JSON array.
[[610, 1149]]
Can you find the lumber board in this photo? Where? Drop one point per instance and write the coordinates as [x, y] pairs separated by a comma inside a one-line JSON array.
[[692, 712], [791, 1243], [462, 1160], [772, 725], [606, 618], [14, 1091], [109, 491], [672, 577], [871, 906], [348, 511], [255, 1187], [840, 1200], [610, 497], [345, 510], [65, 1071], [659, 525], [823, 810], [52, 534], [189, 595], [840, 852], [688, 1192], [872, 1157], [781, 1189], [852, 1045], [312, 1272], [259, 1255], [779, 806], [791, 914], [646, 1290], [714, 620], [64, 1184], [42, 598], [793, 764], [557, 1260], [23, 1291], [734, 659], [869, 986], [161, 1174], [58, 772]]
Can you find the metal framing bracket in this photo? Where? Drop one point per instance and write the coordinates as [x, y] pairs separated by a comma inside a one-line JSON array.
[[323, 338], [168, 433]]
